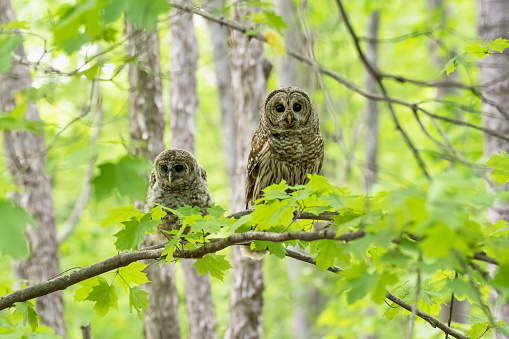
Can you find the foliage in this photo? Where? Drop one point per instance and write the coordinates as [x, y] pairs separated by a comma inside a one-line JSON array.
[[411, 227]]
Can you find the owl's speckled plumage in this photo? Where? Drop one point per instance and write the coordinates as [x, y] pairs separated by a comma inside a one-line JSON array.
[[177, 180], [287, 145]]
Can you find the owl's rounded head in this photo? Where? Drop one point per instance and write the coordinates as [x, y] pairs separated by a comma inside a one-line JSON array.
[[176, 167], [287, 108]]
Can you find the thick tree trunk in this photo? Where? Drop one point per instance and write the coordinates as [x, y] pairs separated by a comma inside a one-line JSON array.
[[26, 158], [493, 23], [146, 129], [219, 37], [146, 111], [250, 70], [184, 104], [370, 175]]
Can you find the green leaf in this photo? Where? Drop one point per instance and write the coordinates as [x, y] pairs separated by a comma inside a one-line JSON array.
[[477, 49], [361, 286], [500, 165], [120, 214], [132, 273], [477, 330], [498, 45], [143, 13], [134, 233], [452, 64], [127, 177], [216, 211], [11, 123], [276, 191], [16, 25], [138, 299], [208, 225], [329, 251], [501, 279], [271, 19], [275, 248], [171, 246], [392, 311], [8, 44], [12, 232], [157, 213], [86, 288], [213, 263], [80, 24], [105, 297], [24, 311], [380, 291]]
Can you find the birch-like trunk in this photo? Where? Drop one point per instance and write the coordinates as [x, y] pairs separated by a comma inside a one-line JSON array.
[[493, 23], [219, 38], [250, 70], [371, 173], [146, 129], [26, 159], [184, 104]]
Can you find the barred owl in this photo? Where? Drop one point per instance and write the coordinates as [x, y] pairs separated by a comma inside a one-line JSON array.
[[177, 180], [287, 145]]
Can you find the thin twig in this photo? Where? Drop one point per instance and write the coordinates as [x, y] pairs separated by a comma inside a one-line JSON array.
[[411, 324], [376, 75]]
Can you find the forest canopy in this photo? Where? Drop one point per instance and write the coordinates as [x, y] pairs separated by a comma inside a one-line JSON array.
[[403, 233]]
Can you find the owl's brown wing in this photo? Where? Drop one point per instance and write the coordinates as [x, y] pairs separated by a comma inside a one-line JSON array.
[[259, 145]]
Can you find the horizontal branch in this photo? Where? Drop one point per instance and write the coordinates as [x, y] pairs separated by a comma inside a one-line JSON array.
[[124, 259]]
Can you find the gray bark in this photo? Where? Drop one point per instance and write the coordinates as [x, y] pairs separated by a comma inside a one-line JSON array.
[[146, 111], [146, 129], [219, 37], [371, 173], [26, 160], [250, 70], [184, 104], [493, 23]]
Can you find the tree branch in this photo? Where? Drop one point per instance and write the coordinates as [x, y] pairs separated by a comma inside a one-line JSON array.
[[425, 316], [124, 259], [378, 78]]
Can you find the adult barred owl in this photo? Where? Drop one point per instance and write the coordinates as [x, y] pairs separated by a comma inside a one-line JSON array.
[[287, 145], [177, 180]]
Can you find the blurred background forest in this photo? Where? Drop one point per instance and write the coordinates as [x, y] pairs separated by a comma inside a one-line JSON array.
[[82, 78]]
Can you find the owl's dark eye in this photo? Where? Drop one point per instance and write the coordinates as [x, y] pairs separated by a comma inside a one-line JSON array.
[[164, 168], [280, 108], [296, 107], [178, 168]]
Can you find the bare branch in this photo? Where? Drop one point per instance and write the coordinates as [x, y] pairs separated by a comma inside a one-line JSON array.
[[378, 78], [425, 316]]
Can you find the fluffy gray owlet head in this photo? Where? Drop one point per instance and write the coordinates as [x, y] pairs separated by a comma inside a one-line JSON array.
[[176, 168]]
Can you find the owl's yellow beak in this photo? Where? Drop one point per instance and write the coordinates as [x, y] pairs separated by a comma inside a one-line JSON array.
[[289, 118], [169, 179]]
